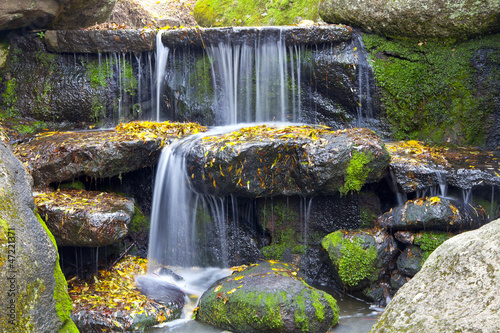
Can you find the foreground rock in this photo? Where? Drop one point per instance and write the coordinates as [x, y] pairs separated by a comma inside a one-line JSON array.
[[455, 291], [81, 218], [410, 18], [33, 289], [61, 156], [267, 297], [434, 213], [286, 160]]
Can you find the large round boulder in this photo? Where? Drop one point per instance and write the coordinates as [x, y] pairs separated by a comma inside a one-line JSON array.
[[455, 291], [267, 297], [414, 18]]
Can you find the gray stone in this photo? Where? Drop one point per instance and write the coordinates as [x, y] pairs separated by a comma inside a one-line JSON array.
[[414, 18], [455, 291], [410, 261], [33, 291]]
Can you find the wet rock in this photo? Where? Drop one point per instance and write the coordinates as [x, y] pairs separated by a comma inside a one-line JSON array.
[[162, 291], [200, 37], [96, 41], [464, 270], [64, 156], [263, 161], [359, 257], [404, 237], [76, 14], [398, 280], [81, 218], [270, 297], [417, 166], [410, 261], [434, 213], [462, 18], [33, 289]]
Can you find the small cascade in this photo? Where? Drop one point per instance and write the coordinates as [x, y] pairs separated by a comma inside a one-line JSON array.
[[401, 197], [443, 186], [161, 62], [467, 195], [364, 73], [305, 209]]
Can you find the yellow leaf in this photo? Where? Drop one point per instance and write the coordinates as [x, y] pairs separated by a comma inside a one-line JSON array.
[[218, 288]]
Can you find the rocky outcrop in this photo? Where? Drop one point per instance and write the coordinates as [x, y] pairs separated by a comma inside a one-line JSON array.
[[33, 288], [267, 297], [434, 213], [411, 18], [97, 41], [360, 258], [286, 160], [56, 157], [456, 289], [67, 14], [81, 218]]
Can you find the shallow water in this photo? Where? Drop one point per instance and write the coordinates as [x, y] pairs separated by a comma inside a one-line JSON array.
[[355, 316]]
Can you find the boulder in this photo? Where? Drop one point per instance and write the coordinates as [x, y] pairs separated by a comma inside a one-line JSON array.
[[267, 297], [455, 291], [33, 288], [85, 218], [269, 160], [412, 18], [434, 213], [62, 156], [359, 257], [61, 14], [410, 261]]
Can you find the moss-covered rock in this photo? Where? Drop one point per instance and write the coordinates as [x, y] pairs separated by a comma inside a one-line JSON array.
[[359, 257], [219, 13], [439, 89], [33, 288], [433, 18], [267, 297]]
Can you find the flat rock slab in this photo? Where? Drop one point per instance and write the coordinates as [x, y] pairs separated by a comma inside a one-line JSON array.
[[268, 160], [63, 156], [455, 291], [434, 213], [85, 218], [267, 297], [417, 166]]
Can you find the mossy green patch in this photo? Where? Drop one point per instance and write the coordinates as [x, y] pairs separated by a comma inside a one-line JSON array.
[[356, 172], [429, 241], [140, 223], [219, 13], [429, 88], [72, 185]]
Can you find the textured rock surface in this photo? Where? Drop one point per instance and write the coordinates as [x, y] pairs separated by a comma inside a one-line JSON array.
[[455, 291], [65, 14], [434, 213], [414, 18], [289, 160], [267, 297], [33, 289], [80, 218]]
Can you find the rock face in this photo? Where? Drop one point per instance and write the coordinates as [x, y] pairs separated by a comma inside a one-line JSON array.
[[411, 18], [267, 297], [434, 213], [33, 288], [81, 218], [268, 161], [66, 14], [456, 289]]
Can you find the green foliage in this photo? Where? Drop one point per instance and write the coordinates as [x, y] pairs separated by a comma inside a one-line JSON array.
[[429, 241], [9, 97], [140, 223], [128, 78], [356, 172], [99, 74], [428, 87], [219, 13], [73, 185]]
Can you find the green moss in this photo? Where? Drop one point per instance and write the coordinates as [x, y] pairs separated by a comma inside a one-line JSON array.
[[300, 316], [429, 87], [218, 13], [63, 302], [428, 241], [356, 172], [99, 74], [128, 78], [73, 185], [140, 223], [9, 97]]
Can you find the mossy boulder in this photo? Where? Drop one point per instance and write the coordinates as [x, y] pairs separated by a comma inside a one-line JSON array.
[[85, 218], [455, 291], [220, 13], [263, 161], [33, 288], [267, 297], [359, 258], [434, 213], [412, 18]]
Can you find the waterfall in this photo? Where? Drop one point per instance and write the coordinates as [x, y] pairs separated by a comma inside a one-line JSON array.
[[161, 63]]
